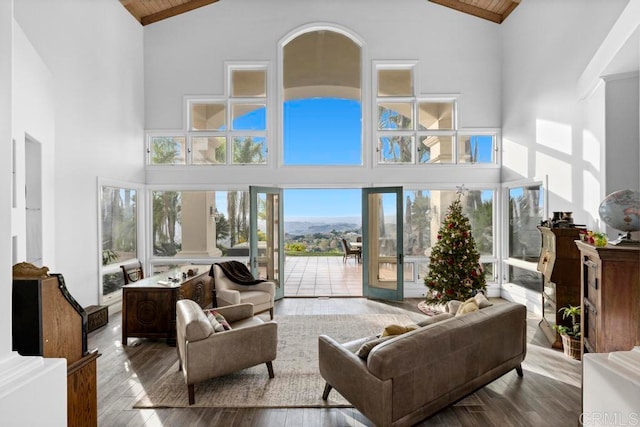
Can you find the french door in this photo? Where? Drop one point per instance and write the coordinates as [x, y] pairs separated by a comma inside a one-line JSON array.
[[382, 246], [267, 235]]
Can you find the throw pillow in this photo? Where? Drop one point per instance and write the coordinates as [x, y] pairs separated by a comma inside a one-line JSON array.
[[217, 327], [482, 300], [365, 349], [453, 306], [397, 330], [467, 307], [220, 318]]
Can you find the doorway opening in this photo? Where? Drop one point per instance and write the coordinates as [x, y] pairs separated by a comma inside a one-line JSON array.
[[315, 222], [33, 200]]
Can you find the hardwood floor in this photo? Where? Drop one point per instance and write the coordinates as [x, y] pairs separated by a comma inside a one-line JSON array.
[[548, 395]]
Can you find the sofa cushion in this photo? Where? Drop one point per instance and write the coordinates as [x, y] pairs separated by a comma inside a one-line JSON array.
[[468, 306], [435, 319], [248, 322], [256, 297], [365, 349]]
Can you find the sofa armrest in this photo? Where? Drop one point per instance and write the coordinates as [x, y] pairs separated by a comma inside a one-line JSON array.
[[349, 375], [229, 296], [233, 313], [269, 287]]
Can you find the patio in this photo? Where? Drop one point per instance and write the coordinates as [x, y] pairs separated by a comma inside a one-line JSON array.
[[325, 276]]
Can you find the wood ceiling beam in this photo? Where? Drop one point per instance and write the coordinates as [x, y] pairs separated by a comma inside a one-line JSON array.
[[477, 11], [510, 8], [175, 10]]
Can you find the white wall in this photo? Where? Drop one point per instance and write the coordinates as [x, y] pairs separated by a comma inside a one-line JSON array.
[[24, 379], [456, 53], [611, 80], [6, 68], [94, 53], [622, 106], [546, 46], [33, 115]]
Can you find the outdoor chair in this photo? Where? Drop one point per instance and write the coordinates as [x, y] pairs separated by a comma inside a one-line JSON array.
[[350, 252]]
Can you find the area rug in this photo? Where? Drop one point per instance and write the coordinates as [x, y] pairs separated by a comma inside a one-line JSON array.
[[297, 381]]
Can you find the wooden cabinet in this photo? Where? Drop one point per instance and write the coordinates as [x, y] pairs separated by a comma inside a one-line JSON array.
[[610, 291], [149, 307], [48, 322], [560, 266]]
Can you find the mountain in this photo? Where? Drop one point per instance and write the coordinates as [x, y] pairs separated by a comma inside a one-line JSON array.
[[321, 225]]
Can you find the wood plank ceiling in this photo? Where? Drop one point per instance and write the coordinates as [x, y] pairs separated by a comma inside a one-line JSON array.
[[493, 10], [150, 11]]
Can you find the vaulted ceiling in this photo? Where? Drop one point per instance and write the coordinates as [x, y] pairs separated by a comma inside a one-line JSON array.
[[150, 11]]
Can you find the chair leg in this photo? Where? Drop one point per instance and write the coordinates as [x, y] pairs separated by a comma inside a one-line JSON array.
[[327, 389], [519, 371], [270, 368], [192, 394], [271, 313]]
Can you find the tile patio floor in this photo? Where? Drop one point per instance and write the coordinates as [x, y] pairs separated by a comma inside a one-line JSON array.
[[322, 276]]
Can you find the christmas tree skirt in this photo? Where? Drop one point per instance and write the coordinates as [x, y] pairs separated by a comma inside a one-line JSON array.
[[430, 309]]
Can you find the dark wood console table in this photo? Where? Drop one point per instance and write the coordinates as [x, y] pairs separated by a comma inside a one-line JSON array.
[[610, 293], [149, 305]]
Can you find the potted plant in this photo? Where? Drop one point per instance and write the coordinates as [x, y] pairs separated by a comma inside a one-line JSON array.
[[570, 334]]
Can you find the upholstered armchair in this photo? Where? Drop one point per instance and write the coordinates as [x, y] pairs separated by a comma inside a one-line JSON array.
[[261, 295], [204, 353]]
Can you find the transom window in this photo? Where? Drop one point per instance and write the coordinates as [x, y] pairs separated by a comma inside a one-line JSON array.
[[227, 130], [415, 129]]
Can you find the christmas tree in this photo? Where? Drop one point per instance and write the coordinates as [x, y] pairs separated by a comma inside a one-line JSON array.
[[455, 272]]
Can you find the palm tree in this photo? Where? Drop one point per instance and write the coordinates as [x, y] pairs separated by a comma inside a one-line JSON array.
[[165, 204], [222, 227], [246, 150], [421, 222], [399, 146], [164, 150], [232, 204], [166, 214]]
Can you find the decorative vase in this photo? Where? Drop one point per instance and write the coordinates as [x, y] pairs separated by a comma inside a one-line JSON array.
[[571, 346]]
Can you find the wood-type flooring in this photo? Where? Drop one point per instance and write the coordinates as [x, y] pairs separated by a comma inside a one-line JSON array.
[[549, 394]]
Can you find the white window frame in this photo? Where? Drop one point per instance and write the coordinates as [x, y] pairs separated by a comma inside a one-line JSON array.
[[495, 133], [508, 290], [114, 298], [364, 94]]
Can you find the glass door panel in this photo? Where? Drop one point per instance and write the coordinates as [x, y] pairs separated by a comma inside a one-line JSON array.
[[267, 235], [382, 243]]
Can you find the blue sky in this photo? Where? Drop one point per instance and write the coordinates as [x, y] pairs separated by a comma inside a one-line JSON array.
[[322, 202], [320, 131]]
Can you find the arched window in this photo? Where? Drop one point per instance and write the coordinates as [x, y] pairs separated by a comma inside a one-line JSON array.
[[322, 95]]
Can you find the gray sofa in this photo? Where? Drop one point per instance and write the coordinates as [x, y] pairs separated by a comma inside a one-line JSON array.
[[414, 375]]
